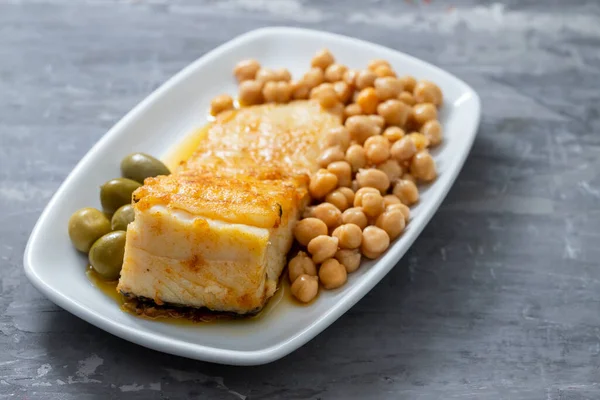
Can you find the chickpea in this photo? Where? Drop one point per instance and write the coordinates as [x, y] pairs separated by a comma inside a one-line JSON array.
[[377, 120], [349, 236], [409, 177], [352, 110], [373, 178], [322, 59], [250, 93], [338, 199], [388, 88], [408, 82], [356, 216], [383, 71], [343, 91], [325, 94], [332, 274], [361, 127], [221, 103], [335, 72], [375, 242], [358, 195], [403, 149], [365, 78], [277, 92], [421, 142], [265, 75], [433, 131], [393, 133], [350, 259], [407, 192], [300, 90], [321, 183], [372, 204], [305, 288], [377, 149], [390, 199], [367, 100], [356, 157], [246, 69], [338, 110], [348, 193], [322, 247], [343, 171], [350, 77], [309, 228], [394, 112], [301, 264], [375, 63], [391, 168], [424, 112], [283, 75], [403, 208], [329, 214], [354, 186], [339, 137], [392, 222], [314, 77], [407, 98], [330, 155], [428, 92], [422, 166]]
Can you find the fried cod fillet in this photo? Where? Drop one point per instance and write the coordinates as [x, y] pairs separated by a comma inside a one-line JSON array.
[[216, 232]]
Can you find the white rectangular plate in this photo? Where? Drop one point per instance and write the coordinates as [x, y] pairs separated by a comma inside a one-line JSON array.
[[175, 110]]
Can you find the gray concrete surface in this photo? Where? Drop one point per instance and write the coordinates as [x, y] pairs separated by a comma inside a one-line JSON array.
[[498, 299]]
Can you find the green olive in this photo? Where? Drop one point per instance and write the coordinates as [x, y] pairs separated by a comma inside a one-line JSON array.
[[116, 193], [122, 217], [139, 166], [107, 253], [86, 226]]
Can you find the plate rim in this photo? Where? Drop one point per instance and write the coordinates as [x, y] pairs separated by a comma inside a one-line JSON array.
[[198, 351]]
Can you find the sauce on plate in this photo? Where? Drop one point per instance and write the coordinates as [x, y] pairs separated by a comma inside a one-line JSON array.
[[183, 315], [185, 148]]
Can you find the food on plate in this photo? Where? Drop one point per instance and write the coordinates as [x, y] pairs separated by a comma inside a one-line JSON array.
[[205, 241], [122, 217], [350, 259], [101, 235], [86, 226], [332, 274], [370, 168], [301, 264], [322, 59], [308, 229], [322, 247], [216, 232], [106, 254], [221, 103], [374, 242], [305, 288], [139, 166], [327, 165], [406, 191], [427, 92], [246, 70], [116, 193], [392, 222]]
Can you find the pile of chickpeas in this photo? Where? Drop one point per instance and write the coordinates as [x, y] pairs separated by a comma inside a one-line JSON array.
[[370, 168]]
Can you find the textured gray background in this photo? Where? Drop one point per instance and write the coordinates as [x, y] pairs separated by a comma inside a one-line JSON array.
[[499, 298]]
